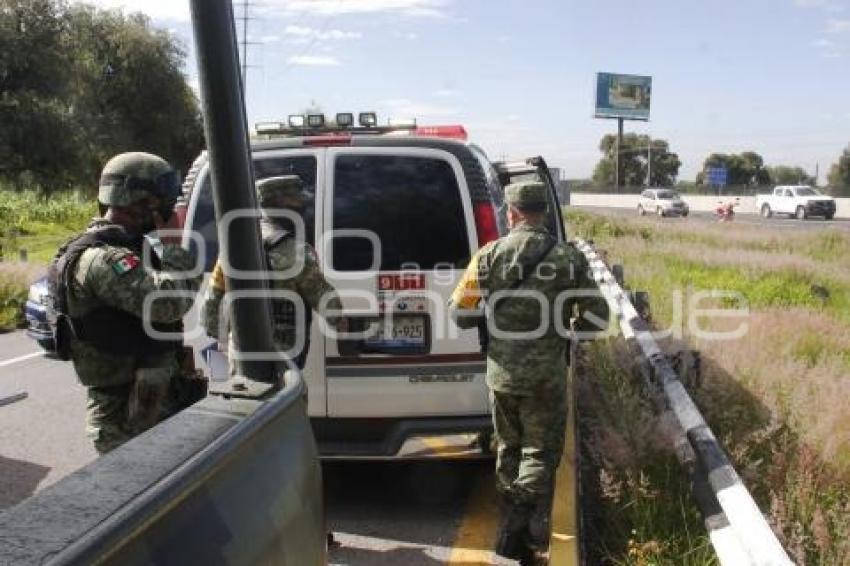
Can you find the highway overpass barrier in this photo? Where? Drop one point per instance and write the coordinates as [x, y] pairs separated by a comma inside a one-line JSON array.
[[699, 203], [226, 481], [738, 530]]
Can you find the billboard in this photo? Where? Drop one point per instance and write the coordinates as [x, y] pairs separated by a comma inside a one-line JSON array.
[[623, 96]]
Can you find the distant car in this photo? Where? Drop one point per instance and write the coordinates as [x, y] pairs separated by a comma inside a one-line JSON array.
[[663, 202], [800, 201], [35, 310]]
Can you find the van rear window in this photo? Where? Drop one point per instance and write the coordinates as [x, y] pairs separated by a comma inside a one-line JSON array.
[[412, 204]]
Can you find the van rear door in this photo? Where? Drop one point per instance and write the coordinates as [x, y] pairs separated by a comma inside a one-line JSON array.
[[535, 169], [399, 230]]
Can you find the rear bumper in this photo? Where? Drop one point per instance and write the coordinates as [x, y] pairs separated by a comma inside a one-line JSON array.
[[385, 438]]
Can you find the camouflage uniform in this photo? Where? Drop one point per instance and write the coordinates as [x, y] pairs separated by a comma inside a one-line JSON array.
[[283, 252], [526, 376], [127, 392]]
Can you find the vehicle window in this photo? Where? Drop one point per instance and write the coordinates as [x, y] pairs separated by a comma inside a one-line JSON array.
[[788, 193], [203, 223], [667, 195], [807, 192], [412, 204], [203, 220]]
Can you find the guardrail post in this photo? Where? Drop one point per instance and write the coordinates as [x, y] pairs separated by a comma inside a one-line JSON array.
[[619, 273], [688, 364], [640, 300]]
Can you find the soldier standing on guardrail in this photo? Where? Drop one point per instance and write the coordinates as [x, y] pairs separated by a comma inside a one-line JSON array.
[[283, 251], [526, 376], [99, 286]]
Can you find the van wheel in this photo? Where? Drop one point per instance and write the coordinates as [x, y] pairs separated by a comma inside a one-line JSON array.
[[765, 211], [641, 211], [801, 213]]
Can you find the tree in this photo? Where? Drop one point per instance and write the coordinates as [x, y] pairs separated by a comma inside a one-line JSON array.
[[745, 169], [786, 175], [81, 84], [634, 154], [839, 175]]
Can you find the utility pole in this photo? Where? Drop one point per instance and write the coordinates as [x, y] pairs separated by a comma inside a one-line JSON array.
[[246, 17], [649, 161], [618, 175]]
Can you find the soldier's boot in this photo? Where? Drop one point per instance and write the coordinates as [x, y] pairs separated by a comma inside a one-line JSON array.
[[539, 532], [512, 539]]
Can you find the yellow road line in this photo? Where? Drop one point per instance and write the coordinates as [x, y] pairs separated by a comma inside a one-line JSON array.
[[564, 544], [476, 534]]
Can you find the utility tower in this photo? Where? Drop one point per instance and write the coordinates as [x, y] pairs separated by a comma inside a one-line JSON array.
[[243, 17]]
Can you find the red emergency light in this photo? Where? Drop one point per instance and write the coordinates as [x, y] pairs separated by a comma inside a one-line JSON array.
[[453, 132]]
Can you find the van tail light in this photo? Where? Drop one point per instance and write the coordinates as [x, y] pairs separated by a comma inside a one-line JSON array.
[[485, 222], [453, 132], [180, 210]]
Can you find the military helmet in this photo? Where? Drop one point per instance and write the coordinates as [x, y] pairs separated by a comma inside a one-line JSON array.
[[271, 188], [130, 177], [528, 195]]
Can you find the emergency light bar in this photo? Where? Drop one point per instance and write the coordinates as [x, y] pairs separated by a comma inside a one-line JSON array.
[[314, 126]]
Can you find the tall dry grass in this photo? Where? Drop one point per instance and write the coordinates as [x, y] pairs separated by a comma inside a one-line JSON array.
[[15, 279], [777, 397]]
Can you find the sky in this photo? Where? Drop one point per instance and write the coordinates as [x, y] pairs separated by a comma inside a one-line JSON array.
[[771, 76]]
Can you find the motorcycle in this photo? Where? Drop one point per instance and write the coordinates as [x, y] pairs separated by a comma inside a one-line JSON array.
[[725, 211]]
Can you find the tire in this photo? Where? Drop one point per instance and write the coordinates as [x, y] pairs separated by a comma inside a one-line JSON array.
[[801, 213], [829, 216], [685, 214], [765, 211], [641, 211]]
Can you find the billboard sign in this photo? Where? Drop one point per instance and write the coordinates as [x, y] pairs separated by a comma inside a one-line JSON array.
[[717, 176], [623, 96]]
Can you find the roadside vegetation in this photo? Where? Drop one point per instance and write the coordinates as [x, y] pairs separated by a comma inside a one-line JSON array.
[[776, 398], [37, 225]]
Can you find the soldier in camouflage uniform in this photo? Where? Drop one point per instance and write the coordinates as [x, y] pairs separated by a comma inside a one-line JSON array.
[[101, 282], [283, 251], [526, 375]]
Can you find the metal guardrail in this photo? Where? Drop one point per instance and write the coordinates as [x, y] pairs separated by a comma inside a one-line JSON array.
[[738, 530]]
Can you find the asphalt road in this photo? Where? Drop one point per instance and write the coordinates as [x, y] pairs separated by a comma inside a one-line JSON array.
[[413, 513], [695, 217]]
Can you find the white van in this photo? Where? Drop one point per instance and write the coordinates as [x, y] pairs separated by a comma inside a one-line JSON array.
[[432, 202]]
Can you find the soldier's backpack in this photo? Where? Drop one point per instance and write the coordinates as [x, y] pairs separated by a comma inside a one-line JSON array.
[[108, 329], [527, 269]]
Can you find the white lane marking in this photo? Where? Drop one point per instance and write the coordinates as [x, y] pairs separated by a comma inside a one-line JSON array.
[[23, 358]]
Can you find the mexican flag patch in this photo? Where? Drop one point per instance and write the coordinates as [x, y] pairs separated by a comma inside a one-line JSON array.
[[125, 264]]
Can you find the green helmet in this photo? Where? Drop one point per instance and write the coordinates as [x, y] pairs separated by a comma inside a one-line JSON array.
[[527, 195], [130, 177], [289, 186]]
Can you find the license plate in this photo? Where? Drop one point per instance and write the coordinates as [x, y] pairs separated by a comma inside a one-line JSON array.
[[398, 332]]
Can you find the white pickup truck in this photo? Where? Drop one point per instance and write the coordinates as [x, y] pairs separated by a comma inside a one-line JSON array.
[[800, 201]]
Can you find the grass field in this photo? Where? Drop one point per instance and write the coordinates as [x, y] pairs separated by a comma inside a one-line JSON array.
[[31, 222], [775, 397]]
